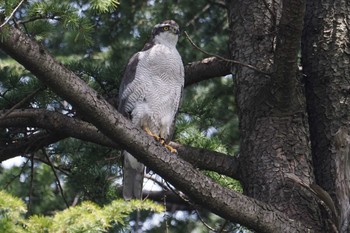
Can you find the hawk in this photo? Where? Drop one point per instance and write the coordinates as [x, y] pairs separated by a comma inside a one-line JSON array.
[[150, 95]]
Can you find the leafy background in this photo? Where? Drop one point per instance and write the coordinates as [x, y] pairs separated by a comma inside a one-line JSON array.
[[95, 39]]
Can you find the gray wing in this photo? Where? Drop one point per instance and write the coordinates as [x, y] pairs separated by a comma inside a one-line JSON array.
[[133, 171], [172, 127], [129, 76]]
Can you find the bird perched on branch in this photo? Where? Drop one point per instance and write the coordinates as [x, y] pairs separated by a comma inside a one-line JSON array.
[[150, 94]]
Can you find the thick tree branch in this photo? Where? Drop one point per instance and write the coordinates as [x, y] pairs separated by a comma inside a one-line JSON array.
[[58, 123], [199, 188], [209, 160], [206, 69], [65, 126], [223, 58], [29, 145]]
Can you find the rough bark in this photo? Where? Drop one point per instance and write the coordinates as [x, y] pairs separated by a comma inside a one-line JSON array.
[[199, 188], [65, 126], [325, 60], [272, 114], [205, 69]]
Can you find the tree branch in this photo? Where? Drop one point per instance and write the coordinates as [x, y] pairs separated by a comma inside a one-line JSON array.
[[206, 69], [209, 160], [28, 145], [223, 58], [65, 126], [201, 189], [12, 13], [173, 201]]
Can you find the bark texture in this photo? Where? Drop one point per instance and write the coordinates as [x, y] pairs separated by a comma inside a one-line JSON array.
[[273, 123], [65, 126], [205, 69], [198, 187], [326, 60]]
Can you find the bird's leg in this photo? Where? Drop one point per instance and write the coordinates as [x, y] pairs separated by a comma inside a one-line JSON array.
[[149, 132], [161, 140], [170, 148]]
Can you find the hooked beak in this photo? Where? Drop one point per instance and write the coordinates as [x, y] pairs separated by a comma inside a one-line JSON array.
[[175, 30]]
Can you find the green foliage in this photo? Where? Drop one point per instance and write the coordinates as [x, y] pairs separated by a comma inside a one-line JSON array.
[[11, 213], [208, 118], [104, 6], [90, 176], [225, 181], [89, 217], [86, 217], [95, 39], [43, 193], [66, 14]]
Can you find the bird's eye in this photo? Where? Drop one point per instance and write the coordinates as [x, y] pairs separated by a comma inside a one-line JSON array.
[[165, 28]]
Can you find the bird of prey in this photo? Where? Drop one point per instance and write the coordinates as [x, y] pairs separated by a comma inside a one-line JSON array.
[[150, 94]]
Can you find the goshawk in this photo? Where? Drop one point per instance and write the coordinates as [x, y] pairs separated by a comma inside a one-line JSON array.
[[150, 94]]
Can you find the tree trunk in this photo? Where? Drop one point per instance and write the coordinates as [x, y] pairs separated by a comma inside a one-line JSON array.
[[326, 59], [202, 190], [275, 141], [275, 164]]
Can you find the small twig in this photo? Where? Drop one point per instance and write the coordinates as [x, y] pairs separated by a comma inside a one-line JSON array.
[[204, 223], [56, 176], [38, 18], [223, 226], [166, 216], [223, 58], [153, 179], [65, 172], [192, 204], [16, 176], [205, 8], [19, 104], [31, 182], [12, 13], [179, 195]]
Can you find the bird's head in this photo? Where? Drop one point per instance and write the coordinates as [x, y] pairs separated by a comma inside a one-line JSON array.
[[166, 32]]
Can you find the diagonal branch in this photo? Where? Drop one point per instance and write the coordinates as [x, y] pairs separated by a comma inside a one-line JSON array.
[[22, 102], [58, 182], [201, 189], [12, 13], [65, 126]]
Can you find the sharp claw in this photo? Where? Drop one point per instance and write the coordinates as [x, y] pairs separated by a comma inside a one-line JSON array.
[[149, 132], [171, 149], [161, 140]]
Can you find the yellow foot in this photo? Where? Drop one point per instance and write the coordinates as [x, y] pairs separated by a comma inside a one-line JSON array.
[[161, 140], [148, 131], [170, 148]]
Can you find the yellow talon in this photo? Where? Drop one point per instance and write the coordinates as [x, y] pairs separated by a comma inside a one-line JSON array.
[[148, 131], [161, 140], [171, 149]]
